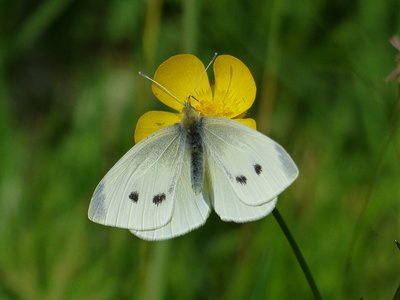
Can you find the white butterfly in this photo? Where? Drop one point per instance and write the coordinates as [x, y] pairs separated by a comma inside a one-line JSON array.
[[166, 185]]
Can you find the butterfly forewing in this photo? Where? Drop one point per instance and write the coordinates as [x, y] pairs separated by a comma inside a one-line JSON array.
[[190, 210], [138, 192], [257, 168]]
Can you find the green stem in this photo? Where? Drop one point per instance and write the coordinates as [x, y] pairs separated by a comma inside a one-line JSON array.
[[297, 253]]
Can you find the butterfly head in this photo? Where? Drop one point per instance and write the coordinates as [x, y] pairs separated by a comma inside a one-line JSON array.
[[190, 114]]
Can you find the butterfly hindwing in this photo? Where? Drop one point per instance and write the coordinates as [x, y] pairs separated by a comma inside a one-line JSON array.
[[138, 192], [190, 210], [257, 168], [226, 202]]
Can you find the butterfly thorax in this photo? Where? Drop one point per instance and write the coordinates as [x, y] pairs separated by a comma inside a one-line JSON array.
[[190, 115], [192, 123]]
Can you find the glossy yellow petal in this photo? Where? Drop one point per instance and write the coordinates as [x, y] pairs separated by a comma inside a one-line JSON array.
[[248, 122], [182, 75], [152, 121], [235, 88]]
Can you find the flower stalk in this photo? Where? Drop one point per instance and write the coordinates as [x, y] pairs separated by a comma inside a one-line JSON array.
[[297, 252]]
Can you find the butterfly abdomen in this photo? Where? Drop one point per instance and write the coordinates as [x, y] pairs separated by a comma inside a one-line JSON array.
[[195, 145]]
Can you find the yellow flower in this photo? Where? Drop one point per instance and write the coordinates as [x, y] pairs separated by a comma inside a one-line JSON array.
[[185, 76]]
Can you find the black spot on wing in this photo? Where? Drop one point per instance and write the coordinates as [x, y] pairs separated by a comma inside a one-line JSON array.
[[157, 199], [257, 169], [134, 196], [241, 179]]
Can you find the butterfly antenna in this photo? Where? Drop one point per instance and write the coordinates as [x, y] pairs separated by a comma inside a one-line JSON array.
[[161, 87], [205, 72], [191, 96]]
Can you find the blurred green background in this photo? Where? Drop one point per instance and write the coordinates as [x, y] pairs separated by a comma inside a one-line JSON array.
[[70, 97]]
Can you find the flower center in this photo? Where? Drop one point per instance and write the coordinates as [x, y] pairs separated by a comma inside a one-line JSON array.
[[208, 106], [212, 108]]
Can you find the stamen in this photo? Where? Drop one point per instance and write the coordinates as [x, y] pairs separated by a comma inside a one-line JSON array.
[[161, 87]]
